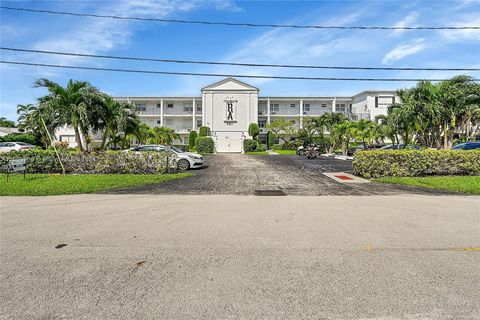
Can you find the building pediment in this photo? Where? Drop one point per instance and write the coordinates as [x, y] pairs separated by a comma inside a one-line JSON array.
[[230, 84]]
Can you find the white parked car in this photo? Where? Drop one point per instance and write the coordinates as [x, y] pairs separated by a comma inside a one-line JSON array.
[[185, 160], [17, 146]]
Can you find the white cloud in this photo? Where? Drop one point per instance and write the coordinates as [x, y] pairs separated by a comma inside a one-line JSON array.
[[472, 20], [404, 50], [408, 21]]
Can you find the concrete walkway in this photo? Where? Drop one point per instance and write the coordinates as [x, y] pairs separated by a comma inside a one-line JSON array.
[[240, 257]]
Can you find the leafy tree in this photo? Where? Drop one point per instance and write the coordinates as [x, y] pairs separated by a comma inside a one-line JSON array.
[[281, 128], [253, 130], [343, 132], [365, 131], [165, 136], [4, 122]]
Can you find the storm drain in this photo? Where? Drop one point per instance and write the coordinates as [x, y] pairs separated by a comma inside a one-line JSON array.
[[271, 193]]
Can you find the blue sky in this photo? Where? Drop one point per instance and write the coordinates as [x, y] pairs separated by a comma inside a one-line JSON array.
[[239, 44]]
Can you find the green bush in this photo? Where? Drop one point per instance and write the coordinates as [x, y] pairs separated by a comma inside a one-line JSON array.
[[261, 147], [204, 145], [46, 161], [412, 163], [249, 145], [192, 136], [21, 137], [291, 145], [269, 139], [204, 132], [253, 130]]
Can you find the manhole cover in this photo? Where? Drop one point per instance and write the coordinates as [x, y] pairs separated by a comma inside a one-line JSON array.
[[269, 193]]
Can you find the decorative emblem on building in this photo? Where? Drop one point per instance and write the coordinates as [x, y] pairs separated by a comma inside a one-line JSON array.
[[230, 110]]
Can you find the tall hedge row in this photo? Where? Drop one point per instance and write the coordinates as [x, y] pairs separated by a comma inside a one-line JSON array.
[[411, 163], [45, 161]]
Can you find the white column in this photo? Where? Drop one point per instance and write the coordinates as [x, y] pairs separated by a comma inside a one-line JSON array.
[[301, 114], [268, 110], [249, 120], [334, 102], [204, 103], [193, 113], [161, 113]]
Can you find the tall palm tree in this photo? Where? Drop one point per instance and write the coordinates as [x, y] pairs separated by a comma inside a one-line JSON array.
[[365, 131], [72, 103], [343, 132], [116, 117], [32, 118]]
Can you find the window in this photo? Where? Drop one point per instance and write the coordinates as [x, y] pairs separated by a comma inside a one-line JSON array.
[[187, 107], [159, 105], [159, 122], [324, 105], [292, 105], [393, 100], [262, 123], [199, 107], [340, 107], [199, 123], [306, 107], [141, 107], [376, 102], [69, 139], [275, 107], [170, 105]]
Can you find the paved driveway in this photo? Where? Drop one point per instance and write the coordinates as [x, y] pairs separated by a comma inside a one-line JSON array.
[[292, 175], [239, 257]]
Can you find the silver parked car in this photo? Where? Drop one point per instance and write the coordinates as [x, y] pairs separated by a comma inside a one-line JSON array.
[[185, 160], [17, 146]]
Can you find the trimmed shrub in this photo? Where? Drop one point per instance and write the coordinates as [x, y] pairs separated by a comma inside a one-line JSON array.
[[21, 137], [192, 136], [204, 145], [253, 130], [249, 145], [269, 139], [45, 161], [261, 147], [411, 163], [204, 132]]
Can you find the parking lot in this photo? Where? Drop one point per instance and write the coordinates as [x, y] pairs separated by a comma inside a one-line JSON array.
[[283, 174]]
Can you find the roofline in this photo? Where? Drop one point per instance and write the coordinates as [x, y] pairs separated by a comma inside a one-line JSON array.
[[229, 79]]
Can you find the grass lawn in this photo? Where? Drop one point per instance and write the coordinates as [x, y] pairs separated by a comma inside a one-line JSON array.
[[289, 152], [48, 184], [466, 184], [257, 152]]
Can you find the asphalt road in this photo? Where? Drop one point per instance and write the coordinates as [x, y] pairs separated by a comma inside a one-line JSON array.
[[240, 257], [292, 175]]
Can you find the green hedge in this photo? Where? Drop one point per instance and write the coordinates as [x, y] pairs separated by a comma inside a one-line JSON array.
[[249, 145], [412, 163], [45, 161], [183, 147], [204, 131], [204, 145]]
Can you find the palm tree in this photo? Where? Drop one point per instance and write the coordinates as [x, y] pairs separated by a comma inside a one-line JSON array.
[[365, 131], [165, 136], [343, 133], [116, 117], [32, 117], [73, 104]]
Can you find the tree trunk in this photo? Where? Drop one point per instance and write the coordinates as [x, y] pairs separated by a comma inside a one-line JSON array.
[[104, 139], [445, 138], [77, 138]]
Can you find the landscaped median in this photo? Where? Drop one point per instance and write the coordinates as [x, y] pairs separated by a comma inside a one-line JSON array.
[[85, 172], [453, 170]]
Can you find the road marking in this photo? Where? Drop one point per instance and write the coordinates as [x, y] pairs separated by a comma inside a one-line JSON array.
[[344, 177], [368, 247], [468, 249]]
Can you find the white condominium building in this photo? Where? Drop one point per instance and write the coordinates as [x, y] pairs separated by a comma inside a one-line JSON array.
[[228, 107]]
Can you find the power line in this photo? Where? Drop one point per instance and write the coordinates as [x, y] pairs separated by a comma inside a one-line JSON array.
[[233, 63], [92, 15], [215, 74]]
